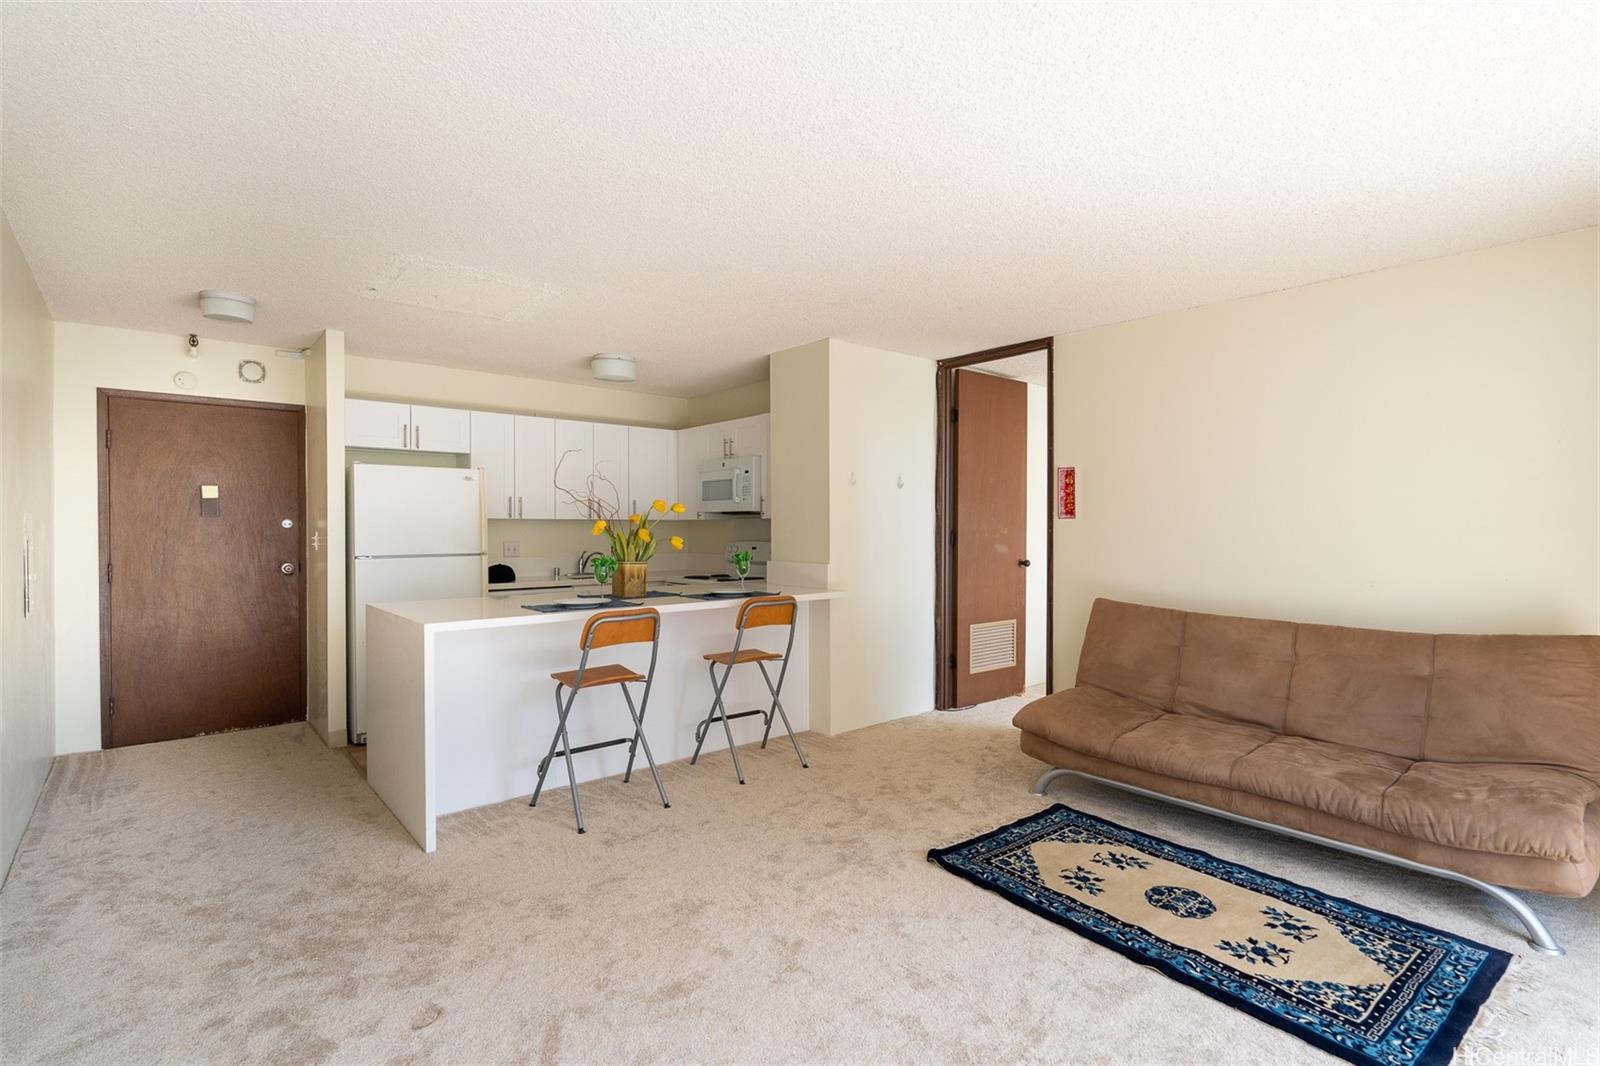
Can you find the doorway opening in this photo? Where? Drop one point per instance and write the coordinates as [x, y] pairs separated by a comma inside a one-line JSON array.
[[994, 550], [202, 559]]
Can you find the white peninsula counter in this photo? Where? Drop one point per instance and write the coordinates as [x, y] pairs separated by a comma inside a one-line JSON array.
[[461, 706]]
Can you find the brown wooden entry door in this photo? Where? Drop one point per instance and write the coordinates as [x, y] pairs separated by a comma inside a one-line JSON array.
[[989, 557], [203, 613]]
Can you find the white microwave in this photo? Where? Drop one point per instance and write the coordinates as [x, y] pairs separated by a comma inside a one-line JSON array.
[[730, 486]]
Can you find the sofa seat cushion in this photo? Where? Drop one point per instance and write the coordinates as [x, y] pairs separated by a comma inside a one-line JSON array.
[[1086, 718], [1333, 778], [1190, 747], [1494, 807]]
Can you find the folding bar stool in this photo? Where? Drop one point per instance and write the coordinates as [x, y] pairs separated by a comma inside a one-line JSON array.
[[754, 613], [605, 629]]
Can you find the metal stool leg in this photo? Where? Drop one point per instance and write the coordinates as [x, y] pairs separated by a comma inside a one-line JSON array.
[[544, 763], [777, 705], [704, 727], [572, 778], [722, 713], [641, 739]]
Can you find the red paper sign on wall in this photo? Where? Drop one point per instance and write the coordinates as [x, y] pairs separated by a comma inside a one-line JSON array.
[[1066, 492]]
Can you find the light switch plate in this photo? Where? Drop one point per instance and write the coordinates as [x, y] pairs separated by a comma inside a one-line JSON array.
[[510, 549]]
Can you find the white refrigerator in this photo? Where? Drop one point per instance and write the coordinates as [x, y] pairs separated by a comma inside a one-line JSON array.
[[416, 533]]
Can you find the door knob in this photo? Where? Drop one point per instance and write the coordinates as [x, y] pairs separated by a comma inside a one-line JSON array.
[[287, 568], [1024, 562]]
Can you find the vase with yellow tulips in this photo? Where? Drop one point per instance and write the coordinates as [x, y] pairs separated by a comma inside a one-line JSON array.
[[633, 538], [633, 545]]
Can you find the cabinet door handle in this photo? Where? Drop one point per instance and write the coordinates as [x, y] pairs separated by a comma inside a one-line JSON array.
[[519, 506], [416, 437], [405, 435], [509, 511]]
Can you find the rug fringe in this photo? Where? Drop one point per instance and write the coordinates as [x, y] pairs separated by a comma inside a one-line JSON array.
[[1499, 1016]]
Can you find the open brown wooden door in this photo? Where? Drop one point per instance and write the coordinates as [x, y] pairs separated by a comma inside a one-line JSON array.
[[989, 557], [202, 508]]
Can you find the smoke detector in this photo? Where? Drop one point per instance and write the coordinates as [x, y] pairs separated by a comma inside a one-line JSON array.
[[611, 366], [227, 306]]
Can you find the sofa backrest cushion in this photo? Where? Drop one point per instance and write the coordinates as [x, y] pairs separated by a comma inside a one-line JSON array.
[[1516, 699], [1365, 688], [1236, 669], [1132, 650]]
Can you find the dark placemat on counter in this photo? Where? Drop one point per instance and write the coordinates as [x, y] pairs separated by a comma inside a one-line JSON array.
[[734, 595], [561, 608]]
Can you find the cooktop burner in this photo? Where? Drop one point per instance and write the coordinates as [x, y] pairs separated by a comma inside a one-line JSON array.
[[709, 577]]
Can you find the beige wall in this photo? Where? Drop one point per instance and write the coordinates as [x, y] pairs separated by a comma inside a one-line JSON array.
[[88, 358], [27, 653], [1412, 448], [326, 647], [386, 379], [741, 401], [799, 435], [882, 419], [853, 445]]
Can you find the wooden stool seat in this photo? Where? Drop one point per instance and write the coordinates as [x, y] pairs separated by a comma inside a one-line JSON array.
[[597, 675], [746, 655]]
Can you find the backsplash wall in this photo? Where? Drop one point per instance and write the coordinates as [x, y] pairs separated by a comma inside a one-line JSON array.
[[540, 542]]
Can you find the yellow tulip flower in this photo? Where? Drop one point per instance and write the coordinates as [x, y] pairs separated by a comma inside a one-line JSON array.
[[635, 519], [644, 536], [677, 543], [599, 528], [677, 508], [660, 506]]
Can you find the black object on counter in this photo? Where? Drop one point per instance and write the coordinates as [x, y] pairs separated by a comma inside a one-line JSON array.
[[500, 574]]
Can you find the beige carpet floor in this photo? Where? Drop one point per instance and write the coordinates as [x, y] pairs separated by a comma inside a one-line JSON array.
[[247, 898]]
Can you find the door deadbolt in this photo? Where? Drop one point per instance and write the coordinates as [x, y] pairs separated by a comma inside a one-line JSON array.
[[287, 523], [287, 568]]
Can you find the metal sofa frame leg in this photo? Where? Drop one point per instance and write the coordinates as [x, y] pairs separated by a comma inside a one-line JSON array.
[[1538, 936]]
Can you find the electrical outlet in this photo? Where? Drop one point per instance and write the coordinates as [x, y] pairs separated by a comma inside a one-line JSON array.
[[510, 549]]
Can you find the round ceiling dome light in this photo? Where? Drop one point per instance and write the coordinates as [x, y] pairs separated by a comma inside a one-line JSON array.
[[611, 366], [227, 306]]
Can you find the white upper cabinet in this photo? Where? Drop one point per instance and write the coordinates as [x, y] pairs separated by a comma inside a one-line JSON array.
[[720, 440], [441, 429], [494, 450], [695, 445], [652, 468], [574, 460], [535, 467], [406, 427], [376, 424], [626, 467], [749, 435], [611, 466]]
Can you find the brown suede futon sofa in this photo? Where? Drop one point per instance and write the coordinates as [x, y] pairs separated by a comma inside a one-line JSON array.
[[1477, 757]]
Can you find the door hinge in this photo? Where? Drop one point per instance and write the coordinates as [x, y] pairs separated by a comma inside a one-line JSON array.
[[108, 436], [954, 415], [111, 707], [952, 660], [108, 573]]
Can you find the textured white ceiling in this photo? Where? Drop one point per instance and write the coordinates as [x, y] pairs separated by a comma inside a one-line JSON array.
[[701, 184], [1032, 367]]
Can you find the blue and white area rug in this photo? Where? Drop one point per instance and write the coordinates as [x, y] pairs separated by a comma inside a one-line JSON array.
[[1367, 986]]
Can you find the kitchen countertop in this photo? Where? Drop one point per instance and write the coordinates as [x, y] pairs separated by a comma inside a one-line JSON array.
[[488, 612]]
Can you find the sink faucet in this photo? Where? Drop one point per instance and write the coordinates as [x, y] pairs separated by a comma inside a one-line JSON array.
[[584, 559]]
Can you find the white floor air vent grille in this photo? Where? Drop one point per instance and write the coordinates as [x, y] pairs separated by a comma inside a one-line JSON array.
[[992, 646]]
